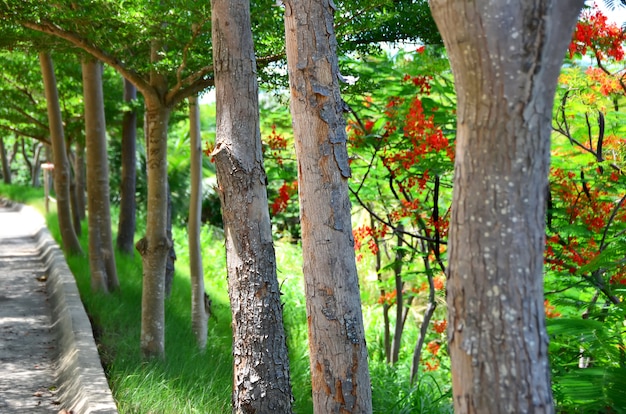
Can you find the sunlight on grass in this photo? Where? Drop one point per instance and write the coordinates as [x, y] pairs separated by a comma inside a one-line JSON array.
[[189, 381]]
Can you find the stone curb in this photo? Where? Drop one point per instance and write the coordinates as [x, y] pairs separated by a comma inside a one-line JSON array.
[[83, 387]]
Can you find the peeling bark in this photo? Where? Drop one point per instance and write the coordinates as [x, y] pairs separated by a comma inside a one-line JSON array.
[[339, 371], [261, 363]]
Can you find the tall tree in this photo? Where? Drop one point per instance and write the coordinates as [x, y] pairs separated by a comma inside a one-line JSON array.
[[155, 245], [126, 223], [61, 163], [261, 364], [505, 58], [101, 257], [339, 369], [165, 73], [199, 302], [162, 85]]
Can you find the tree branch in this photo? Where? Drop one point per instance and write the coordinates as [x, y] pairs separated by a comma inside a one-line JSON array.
[[50, 28]]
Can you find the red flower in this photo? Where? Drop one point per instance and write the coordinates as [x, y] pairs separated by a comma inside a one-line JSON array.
[[433, 347], [440, 326], [550, 310], [284, 195]]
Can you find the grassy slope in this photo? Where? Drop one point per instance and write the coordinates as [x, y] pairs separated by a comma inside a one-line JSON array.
[[192, 382]]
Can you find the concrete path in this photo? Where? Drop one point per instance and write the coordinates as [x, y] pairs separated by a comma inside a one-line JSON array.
[[27, 343], [48, 358]]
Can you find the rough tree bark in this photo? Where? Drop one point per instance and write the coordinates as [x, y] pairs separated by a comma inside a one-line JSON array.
[[339, 370], [505, 58], [261, 364], [199, 308], [61, 164], [101, 257], [127, 219]]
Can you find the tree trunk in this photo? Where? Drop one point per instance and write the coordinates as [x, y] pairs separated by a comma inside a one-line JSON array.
[[397, 275], [61, 164], [79, 170], [126, 224], [261, 364], [6, 168], [29, 164], [199, 312], [339, 370], [170, 267], [170, 257], [155, 246], [14, 151], [505, 58], [76, 220], [36, 168], [101, 257]]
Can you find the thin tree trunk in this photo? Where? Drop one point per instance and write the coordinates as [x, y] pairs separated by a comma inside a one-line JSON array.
[[170, 258], [170, 267], [155, 246], [6, 168], [73, 196], [29, 164], [428, 314], [127, 219], [397, 274], [61, 165], [199, 312], [339, 369], [101, 257], [36, 168], [79, 178], [261, 365], [383, 293], [505, 58], [14, 151]]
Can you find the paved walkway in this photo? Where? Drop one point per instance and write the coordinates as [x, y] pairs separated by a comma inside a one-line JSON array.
[[27, 343], [48, 358]]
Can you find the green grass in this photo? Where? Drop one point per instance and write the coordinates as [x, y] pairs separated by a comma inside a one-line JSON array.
[[189, 381], [24, 195]]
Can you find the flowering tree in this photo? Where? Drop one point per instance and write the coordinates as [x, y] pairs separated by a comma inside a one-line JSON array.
[[402, 171], [586, 225]]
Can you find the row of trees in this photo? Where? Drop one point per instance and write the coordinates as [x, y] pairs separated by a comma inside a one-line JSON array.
[[496, 226], [166, 73]]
